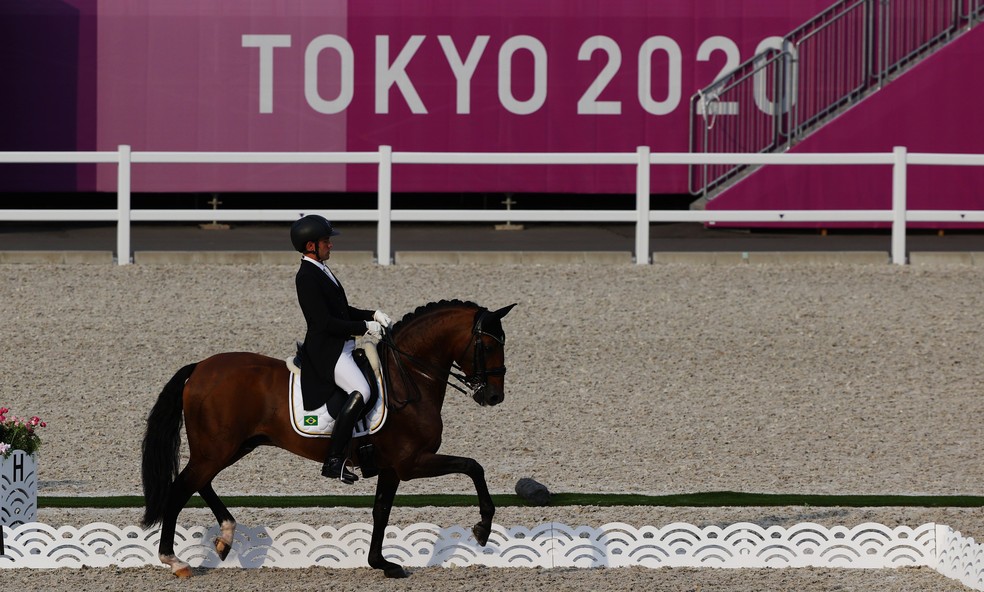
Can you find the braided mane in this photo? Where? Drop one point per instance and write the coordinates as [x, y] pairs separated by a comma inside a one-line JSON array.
[[430, 308]]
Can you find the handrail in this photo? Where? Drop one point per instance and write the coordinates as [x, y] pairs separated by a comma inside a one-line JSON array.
[[782, 94], [897, 212], [722, 99]]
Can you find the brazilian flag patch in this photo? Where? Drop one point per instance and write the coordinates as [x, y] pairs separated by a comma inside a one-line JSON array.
[[310, 420]]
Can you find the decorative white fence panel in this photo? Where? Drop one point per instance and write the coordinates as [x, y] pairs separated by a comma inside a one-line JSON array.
[[641, 160], [295, 545], [960, 558]]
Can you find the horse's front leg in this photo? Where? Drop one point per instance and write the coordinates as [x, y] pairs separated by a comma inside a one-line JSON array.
[[386, 485], [437, 465]]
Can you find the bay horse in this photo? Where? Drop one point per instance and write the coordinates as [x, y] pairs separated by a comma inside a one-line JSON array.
[[233, 402]]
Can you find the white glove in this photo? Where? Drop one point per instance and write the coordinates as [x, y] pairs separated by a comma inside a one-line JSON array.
[[374, 330], [382, 318]]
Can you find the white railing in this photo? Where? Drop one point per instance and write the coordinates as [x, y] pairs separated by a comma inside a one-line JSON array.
[[384, 215]]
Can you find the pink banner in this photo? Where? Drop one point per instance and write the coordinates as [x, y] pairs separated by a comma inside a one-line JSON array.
[[438, 75]]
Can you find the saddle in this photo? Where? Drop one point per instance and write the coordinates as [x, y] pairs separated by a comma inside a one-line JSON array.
[[338, 396]]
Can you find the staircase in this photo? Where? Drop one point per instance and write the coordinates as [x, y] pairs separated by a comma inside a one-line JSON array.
[[783, 94]]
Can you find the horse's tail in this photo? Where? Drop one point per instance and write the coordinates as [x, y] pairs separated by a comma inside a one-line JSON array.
[[162, 445]]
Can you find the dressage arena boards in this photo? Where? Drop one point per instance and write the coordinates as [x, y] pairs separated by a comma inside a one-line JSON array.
[[296, 545]]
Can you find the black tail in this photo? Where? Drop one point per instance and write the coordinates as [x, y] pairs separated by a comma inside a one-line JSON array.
[[162, 445]]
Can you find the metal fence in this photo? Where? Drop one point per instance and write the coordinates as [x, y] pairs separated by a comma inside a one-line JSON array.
[[641, 162], [776, 98]]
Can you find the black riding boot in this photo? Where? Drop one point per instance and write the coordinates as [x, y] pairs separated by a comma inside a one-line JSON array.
[[341, 434]]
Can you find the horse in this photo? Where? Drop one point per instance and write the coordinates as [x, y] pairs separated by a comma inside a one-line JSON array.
[[233, 402]]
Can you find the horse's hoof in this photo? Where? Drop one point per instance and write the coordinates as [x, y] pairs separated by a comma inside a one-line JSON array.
[[390, 569], [481, 533], [183, 572], [222, 548], [178, 568], [395, 571]]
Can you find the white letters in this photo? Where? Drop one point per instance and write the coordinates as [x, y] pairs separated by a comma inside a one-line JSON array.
[[539, 96], [266, 43], [463, 72], [387, 74], [673, 75], [340, 81], [346, 79], [589, 104]]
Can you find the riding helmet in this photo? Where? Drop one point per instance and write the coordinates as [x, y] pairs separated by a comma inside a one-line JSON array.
[[310, 228]]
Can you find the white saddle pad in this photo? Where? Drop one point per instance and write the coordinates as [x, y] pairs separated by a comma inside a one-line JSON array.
[[317, 423]]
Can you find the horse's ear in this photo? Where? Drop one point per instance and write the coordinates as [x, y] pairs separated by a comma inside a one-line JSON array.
[[502, 311]]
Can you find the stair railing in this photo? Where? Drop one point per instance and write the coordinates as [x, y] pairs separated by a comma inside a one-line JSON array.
[[779, 96]]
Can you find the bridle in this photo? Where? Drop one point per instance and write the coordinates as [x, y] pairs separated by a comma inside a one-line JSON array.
[[474, 384], [478, 380]]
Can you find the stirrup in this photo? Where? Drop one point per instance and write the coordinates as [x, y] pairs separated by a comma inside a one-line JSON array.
[[344, 475]]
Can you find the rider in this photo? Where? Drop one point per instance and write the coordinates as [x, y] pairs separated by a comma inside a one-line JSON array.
[[332, 326]]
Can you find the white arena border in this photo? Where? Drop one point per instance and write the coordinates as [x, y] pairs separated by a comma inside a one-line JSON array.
[[296, 545]]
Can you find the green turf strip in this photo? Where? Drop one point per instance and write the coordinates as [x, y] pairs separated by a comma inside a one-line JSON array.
[[707, 499]]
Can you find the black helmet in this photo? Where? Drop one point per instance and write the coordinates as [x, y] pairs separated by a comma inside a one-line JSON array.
[[310, 228]]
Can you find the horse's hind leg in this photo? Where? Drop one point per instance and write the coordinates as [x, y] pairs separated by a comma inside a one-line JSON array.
[[178, 495], [192, 478], [227, 524]]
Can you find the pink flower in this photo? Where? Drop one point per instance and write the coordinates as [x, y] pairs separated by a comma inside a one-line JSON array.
[[19, 432]]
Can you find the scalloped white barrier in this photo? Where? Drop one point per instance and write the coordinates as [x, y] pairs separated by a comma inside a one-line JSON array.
[[294, 545]]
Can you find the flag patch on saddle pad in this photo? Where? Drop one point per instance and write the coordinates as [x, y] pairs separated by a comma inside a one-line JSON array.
[[310, 420]]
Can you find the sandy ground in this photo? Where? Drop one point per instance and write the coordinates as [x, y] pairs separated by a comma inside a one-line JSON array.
[[667, 379]]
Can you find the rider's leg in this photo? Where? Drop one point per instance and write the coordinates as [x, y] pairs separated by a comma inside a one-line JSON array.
[[341, 434], [349, 377]]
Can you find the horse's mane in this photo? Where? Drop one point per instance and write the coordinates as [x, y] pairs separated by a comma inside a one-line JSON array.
[[430, 308]]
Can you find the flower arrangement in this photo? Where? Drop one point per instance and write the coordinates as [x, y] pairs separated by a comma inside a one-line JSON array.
[[19, 433]]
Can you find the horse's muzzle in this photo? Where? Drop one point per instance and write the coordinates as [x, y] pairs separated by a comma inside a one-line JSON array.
[[486, 395]]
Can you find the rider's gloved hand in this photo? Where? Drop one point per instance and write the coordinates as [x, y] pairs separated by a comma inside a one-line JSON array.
[[382, 318], [374, 329]]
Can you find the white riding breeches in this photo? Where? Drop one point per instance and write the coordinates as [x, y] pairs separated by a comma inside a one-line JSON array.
[[347, 374]]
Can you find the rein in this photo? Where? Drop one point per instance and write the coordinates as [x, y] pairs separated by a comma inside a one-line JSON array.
[[472, 383]]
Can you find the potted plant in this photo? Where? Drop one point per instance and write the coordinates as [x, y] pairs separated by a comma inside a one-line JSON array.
[[19, 443]]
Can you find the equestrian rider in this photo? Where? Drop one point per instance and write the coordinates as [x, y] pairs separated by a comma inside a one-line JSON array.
[[332, 325]]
